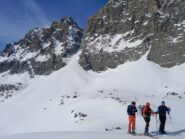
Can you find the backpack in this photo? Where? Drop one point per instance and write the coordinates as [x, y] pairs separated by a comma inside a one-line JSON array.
[[147, 113], [129, 110], [141, 108]]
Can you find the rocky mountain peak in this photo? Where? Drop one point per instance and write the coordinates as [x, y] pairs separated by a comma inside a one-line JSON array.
[[43, 50], [125, 30], [68, 21], [64, 22], [116, 3], [9, 49]]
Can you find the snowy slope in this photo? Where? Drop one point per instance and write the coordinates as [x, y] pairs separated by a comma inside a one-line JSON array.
[[77, 135], [66, 135], [73, 99]]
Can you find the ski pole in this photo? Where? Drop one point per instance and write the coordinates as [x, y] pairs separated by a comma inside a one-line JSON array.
[[156, 122], [172, 124], [169, 116]]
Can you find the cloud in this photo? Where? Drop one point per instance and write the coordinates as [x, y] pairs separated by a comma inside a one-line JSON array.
[[34, 12], [17, 18]]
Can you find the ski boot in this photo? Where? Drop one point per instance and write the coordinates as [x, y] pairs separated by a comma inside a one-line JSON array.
[[133, 132], [146, 133], [129, 132], [162, 132]]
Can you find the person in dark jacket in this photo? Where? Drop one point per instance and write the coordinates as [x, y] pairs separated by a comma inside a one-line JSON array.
[[131, 111], [162, 110], [147, 112]]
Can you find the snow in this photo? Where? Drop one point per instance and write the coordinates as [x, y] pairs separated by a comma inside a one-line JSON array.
[[28, 55], [46, 108], [136, 22], [2, 59], [46, 45], [16, 46], [70, 135], [175, 40], [117, 3], [58, 47], [181, 25], [21, 55], [145, 23], [72, 36], [77, 135], [42, 58], [38, 31], [114, 43], [6, 78], [148, 15], [72, 31]]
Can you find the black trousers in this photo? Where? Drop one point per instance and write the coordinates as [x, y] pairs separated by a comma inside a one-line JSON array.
[[147, 121], [162, 123]]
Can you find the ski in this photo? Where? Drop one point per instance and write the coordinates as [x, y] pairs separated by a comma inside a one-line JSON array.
[[149, 135], [140, 134]]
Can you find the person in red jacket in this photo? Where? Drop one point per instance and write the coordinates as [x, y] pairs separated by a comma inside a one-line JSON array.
[[131, 110], [147, 112]]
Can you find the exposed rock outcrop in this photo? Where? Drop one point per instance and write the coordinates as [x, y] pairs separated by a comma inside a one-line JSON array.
[[124, 30]]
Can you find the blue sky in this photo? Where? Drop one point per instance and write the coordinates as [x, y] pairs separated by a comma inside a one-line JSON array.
[[19, 16]]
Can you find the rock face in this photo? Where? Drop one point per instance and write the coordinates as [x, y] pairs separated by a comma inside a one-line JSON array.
[[125, 30], [43, 51], [8, 90]]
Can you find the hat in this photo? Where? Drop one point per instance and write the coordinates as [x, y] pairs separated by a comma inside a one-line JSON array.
[[148, 104], [163, 102], [133, 103]]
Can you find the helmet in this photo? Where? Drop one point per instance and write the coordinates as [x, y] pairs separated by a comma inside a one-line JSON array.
[[133, 103], [148, 104], [163, 102]]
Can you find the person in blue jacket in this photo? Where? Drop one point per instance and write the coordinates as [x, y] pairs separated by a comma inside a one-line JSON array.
[[131, 111], [162, 111]]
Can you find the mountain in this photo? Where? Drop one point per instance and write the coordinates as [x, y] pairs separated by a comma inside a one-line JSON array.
[[76, 101], [84, 86], [125, 30], [43, 50]]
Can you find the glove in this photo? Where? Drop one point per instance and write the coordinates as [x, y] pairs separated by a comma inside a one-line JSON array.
[[168, 110]]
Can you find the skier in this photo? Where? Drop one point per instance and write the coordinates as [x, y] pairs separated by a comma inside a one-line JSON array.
[[131, 110], [162, 110], [147, 112]]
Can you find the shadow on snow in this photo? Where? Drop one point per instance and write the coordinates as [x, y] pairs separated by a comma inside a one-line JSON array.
[[179, 132]]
